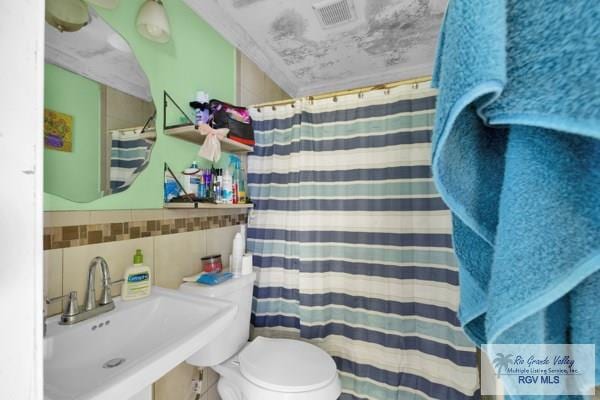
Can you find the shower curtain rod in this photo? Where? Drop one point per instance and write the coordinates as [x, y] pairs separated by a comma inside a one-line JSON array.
[[364, 89]]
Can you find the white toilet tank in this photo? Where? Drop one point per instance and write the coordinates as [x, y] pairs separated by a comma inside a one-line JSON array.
[[235, 336]]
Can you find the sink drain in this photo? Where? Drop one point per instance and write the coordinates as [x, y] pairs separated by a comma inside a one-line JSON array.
[[115, 362]]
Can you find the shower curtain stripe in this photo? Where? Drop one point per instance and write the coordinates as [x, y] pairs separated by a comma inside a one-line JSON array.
[[377, 254], [381, 238], [129, 157], [360, 142], [281, 298], [358, 190], [419, 121], [350, 175], [344, 113], [352, 245], [373, 270], [394, 204], [380, 322]]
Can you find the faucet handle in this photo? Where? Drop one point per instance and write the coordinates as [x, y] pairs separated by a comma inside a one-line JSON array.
[[106, 297], [50, 300], [72, 306]]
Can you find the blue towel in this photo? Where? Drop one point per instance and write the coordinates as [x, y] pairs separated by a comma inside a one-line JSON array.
[[516, 156]]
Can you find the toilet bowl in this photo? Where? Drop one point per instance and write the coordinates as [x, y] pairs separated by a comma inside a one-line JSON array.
[[278, 369], [265, 368]]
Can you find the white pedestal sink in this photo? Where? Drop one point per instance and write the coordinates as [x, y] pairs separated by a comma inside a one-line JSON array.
[[118, 354]]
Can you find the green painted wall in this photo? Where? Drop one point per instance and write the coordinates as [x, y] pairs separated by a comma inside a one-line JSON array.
[[79, 97], [196, 57]]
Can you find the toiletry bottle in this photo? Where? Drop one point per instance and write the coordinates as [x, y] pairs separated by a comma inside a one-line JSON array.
[[234, 163], [198, 181], [190, 179], [208, 184], [227, 193], [219, 185], [204, 185], [200, 184], [237, 254], [238, 174], [242, 186], [137, 282], [215, 186]]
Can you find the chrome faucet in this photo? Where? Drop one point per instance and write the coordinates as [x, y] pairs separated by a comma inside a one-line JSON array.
[[72, 314], [90, 295]]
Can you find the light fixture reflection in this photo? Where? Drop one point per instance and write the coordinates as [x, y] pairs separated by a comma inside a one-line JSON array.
[[153, 23], [67, 15]]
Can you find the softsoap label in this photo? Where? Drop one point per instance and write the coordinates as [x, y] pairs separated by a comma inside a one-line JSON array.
[[538, 369]]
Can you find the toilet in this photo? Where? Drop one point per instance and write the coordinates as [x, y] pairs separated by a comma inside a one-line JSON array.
[[265, 368]]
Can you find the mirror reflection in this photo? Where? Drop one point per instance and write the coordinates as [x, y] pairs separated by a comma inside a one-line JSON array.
[[99, 115]]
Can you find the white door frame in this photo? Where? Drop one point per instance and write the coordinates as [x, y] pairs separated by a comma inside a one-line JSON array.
[[21, 199]]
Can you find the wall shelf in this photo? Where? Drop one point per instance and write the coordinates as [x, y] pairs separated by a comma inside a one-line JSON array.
[[191, 134], [211, 206]]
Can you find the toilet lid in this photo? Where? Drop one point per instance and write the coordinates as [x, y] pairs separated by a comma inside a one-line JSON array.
[[286, 365]]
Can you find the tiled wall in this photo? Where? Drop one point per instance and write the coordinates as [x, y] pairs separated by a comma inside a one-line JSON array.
[[171, 253], [149, 223], [253, 85]]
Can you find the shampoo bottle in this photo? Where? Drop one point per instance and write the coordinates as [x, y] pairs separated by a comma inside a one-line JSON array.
[[242, 186], [227, 192], [136, 281]]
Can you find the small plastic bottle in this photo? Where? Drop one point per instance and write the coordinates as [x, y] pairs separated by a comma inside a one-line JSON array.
[[236, 181], [201, 185], [136, 280], [227, 193], [208, 184], [219, 186]]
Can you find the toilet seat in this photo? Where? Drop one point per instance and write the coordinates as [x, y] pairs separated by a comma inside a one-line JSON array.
[[278, 369], [286, 365]]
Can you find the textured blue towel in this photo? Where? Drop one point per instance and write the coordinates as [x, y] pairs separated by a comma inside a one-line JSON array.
[[516, 156]]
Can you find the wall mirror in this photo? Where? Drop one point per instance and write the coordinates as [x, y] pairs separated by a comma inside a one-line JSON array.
[[99, 116]]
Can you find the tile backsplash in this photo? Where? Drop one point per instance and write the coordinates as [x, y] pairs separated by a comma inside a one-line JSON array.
[[121, 225], [172, 241]]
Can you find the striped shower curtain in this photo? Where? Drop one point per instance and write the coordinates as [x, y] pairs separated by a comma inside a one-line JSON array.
[[130, 154], [353, 244]]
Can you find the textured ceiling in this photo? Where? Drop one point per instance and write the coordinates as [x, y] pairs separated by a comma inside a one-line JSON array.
[[389, 40], [100, 54]]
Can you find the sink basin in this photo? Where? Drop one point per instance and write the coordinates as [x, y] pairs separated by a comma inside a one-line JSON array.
[[119, 353]]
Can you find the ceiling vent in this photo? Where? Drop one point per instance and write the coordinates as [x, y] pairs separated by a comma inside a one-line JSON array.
[[333, 13]]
